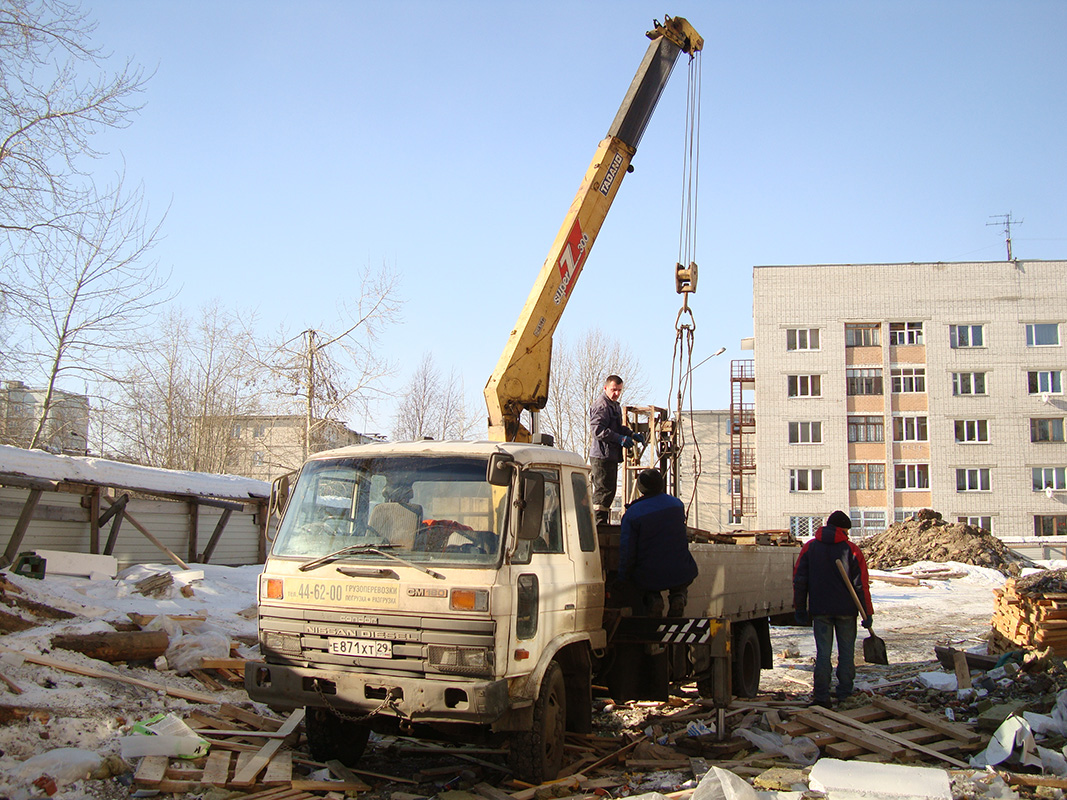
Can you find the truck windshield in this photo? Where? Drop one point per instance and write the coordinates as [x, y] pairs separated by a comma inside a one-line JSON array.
[[423, 509]]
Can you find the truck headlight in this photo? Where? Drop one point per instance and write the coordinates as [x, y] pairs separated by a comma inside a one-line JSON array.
[[284, 643], [469, 600], [462, 660]]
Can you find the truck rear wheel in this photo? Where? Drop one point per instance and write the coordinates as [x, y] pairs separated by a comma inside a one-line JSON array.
[[332, 738], [746, 661], [536, 755]]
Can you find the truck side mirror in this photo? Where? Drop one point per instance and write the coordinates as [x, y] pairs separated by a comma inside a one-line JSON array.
[[279, 495], [532, 505], [498, 471]]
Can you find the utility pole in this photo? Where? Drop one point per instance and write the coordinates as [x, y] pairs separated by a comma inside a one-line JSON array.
[[1006, 221]]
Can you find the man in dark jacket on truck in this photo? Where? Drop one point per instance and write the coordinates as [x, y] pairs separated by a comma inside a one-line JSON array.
[[610, 436], [654, 550], [819, 591]]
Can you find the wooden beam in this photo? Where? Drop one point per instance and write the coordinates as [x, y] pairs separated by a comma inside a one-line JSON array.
[[246, 776], [94, 524], [215, 535], [28, 483], [194, 528], [115, 513], [17, 535], [144, 531]]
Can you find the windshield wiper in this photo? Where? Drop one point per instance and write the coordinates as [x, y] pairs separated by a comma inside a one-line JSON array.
[[378, 550]]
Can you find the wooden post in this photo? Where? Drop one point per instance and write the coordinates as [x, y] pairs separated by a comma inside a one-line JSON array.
[[94, 521], [214, 540], [194, 524], [117, 511], [17, 535], [263, 518]]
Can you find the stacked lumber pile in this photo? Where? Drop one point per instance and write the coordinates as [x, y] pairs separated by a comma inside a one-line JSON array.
[[1032, 612], [765, 538]]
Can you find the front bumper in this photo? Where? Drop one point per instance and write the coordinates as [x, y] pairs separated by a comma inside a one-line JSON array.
[[417, 699]]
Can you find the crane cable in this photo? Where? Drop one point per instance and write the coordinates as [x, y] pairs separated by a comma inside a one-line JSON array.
[[685, 322]]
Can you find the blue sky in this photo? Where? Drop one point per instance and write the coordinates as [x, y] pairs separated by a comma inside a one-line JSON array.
[[295, 144]]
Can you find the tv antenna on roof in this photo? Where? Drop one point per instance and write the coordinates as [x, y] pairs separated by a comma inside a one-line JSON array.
[[1006, 222]]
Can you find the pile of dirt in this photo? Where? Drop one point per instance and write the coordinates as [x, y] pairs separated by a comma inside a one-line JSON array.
[[927, 537]]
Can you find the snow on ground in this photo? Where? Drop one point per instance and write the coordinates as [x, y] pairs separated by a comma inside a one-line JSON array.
[[92, 713], [911, 619]]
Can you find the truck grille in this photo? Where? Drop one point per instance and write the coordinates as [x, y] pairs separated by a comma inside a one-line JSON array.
[[419, 645]]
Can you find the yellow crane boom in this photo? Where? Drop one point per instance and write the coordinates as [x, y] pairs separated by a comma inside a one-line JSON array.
[[520, 380]]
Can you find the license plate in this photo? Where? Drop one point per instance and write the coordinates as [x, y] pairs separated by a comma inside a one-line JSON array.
[[364, 648]]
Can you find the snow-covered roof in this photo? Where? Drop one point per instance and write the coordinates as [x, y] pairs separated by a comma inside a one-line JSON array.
[[523, 453], [37, 464]]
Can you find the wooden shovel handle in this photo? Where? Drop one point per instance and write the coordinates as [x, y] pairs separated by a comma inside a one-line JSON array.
[[851, 589]]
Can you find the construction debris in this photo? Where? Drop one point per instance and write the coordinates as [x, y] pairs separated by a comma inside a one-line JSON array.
[[927, 537], [1031, 612]]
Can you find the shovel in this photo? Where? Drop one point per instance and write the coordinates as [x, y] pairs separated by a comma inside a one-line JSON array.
[[873, 647]]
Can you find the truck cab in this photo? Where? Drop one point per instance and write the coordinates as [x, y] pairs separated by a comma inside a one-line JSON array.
[[437, 584]]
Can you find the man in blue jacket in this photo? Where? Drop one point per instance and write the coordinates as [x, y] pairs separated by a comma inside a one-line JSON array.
[[820, 592], [654, 550], [610, 436]]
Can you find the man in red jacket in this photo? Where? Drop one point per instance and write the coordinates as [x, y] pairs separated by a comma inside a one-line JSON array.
[[819, 591]]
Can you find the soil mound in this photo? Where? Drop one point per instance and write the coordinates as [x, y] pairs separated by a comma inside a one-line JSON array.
[[927, 537], [1051, 581]]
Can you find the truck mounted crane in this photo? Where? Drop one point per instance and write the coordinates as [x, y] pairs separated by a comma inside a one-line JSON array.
[[520, 380]]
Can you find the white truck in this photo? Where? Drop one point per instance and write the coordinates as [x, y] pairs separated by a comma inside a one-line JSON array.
[[460, 588]]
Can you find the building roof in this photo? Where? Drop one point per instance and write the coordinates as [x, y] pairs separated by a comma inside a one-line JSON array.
[[41, 466]]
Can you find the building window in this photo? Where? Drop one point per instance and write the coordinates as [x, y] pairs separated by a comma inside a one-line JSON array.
[[1045, 334], [803, 527], [909, 429], [805, 432], [867, 520], [1043, 382], [907, 380], [901, 333], [985, 523], [802, 339], [805, 480], [866, 429], [968, 383], [913, 476], [237, 430], [866, 476], [258, 431], [733, 485], [1046, 429], [961, 336], [904, 514], [257, 458], [1049, 478], [972, 430], [863, 334], [972, 479], [805, 386], [1050, 524], [733, 517], [863, 381]]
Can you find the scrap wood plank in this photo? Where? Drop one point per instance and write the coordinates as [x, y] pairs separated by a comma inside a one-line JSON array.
[[851, 731], [217, 768], [282, 793], [151, 770], [279, 771], [246, 775], [490, 792], [893, 738], [951, 729], [45, 661], [250, 718], [345, 774]]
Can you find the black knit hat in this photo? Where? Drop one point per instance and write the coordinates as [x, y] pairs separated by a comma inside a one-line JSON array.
[[839, 519], [649, 481]]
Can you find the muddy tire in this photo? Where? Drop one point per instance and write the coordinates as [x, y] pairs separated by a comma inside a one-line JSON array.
[[536, 755], [746, 662], [332, 738]]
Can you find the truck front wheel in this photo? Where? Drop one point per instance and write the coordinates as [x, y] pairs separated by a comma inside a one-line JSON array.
[[746, 661], [332, 738], [536, 755]]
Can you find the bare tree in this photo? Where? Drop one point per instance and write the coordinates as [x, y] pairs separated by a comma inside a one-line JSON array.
[[183, 397], [55, 94], [86, 297], [578, 373], [433, 406], [325, 375]]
